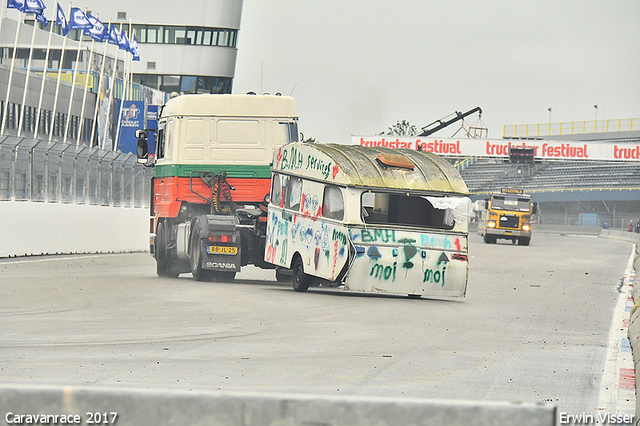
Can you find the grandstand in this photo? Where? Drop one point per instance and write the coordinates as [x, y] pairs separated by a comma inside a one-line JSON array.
[[491, 174], [566, 190]]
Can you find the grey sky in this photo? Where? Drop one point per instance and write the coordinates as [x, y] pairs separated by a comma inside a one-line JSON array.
[[356, 67]]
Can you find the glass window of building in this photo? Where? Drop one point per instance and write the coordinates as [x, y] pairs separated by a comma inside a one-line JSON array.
[[170, 83]]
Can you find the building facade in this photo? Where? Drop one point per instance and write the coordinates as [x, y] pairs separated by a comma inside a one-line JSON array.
[[183, 47], [186, 47]]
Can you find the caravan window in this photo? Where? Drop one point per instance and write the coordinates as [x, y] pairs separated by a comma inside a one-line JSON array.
[[293, 192], [413, 210], [332, 203], [276, 190]]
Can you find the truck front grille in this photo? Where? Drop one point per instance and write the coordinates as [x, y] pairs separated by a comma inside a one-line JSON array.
[[509, 221]]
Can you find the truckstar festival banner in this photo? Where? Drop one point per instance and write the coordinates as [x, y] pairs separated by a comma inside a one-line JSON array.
[[543, 149]]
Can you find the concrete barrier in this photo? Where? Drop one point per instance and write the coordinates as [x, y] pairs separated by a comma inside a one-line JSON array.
[[634, 321], [632, 237], [168, 408], [31, 228], [566, 229]]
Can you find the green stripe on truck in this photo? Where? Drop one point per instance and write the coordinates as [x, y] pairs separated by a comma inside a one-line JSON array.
[[233, 171]]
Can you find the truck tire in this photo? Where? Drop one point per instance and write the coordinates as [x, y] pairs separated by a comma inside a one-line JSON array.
[[162, 260], [195, 256], [301, 281], [524, 241], [489, 239]]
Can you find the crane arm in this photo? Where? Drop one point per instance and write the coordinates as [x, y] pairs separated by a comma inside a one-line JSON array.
[[439, 124]]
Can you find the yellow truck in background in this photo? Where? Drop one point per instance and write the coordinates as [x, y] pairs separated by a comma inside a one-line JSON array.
[[507, 215]]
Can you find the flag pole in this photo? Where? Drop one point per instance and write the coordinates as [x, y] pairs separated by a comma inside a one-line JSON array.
[[55, 98], [73, 87], [26, 82], [100, 84], [84, 95], [125, 83], [44, 76], [111, 97], [13, 60]]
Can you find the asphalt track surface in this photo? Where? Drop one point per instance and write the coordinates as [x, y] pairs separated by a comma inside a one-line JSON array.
[[534, 327]]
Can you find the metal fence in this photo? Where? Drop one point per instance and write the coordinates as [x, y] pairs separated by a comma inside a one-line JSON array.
[[54, 172], [571, 128], [618, 221]]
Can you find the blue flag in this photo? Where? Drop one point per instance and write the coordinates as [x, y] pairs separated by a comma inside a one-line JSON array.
[[42, 19], [134, 49], [78, 20], [34, 6], [114, 37], [62, 21], [124, 41], [98, 30], [15, 4]]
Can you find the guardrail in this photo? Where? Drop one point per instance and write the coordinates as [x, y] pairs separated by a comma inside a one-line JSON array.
[[466, 162], [42, 171], [571, 127]]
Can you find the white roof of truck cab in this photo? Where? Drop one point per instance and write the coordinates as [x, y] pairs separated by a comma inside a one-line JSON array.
[[231, 106], [373, 167]]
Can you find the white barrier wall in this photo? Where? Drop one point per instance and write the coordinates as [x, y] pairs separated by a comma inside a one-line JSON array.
[[32, 228], [138, 407]]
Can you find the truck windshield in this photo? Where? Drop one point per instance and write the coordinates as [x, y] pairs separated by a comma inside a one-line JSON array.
[[413, 210], [514, 204], [291, 131]]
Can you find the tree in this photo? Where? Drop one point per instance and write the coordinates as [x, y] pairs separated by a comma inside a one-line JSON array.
[[401, 128]]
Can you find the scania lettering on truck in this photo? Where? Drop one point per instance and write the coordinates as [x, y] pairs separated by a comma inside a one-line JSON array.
[[212, 179], [369, 219], [507, 215]]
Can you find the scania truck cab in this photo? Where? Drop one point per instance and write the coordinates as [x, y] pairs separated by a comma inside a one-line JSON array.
[[212, 179]]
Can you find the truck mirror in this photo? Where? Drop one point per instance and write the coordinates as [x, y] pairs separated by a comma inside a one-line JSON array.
[[142, 133], [143, 151], [534, 209], [486, 204]]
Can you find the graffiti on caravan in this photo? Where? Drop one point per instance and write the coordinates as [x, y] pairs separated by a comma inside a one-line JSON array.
[[295, 159]]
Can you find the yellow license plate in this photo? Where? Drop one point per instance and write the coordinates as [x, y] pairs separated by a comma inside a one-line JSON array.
[[508, 233], [222, 250]]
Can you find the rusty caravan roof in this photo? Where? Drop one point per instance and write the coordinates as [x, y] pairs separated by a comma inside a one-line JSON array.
[[375, 167]]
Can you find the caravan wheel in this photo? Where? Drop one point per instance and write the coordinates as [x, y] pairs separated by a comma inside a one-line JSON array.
[[301, 281]]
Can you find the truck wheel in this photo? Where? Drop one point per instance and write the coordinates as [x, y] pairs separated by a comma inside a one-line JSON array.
[[195, 256], [524, 241], [489, 239], [162, 260], [301, 281]]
